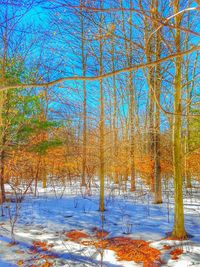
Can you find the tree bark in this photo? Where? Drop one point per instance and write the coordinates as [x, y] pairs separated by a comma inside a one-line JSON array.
[[101, 122], [157, 155], [179, 228], [132, 109], [84, 148], [2, 102], [116, 175]]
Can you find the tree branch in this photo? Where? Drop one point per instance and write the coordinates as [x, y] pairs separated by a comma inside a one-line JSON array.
[[103, 76], [142, 12]]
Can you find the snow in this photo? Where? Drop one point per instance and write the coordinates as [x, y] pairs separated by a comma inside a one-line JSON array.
[[49, 216]]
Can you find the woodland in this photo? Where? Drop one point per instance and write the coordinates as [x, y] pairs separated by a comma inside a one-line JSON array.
[[99, 133]]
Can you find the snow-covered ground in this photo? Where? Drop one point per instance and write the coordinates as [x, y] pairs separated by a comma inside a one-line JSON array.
[[48, 217]]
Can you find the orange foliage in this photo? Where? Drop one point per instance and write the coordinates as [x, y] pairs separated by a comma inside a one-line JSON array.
[[144, 165], [131, 250], [36, 246], [76, 235], [194, 163], [126, 248], [175, 253], [40, 245], [99, 234], [166, 247]]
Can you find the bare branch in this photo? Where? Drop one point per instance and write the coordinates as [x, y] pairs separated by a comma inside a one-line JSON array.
[[171, 17], [143, 13], [103, 76]]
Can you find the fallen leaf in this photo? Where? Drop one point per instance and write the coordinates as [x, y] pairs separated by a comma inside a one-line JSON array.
[[175, 253], [76, 235]]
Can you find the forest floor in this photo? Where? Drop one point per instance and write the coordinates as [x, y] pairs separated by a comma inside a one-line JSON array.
[[44, 224]]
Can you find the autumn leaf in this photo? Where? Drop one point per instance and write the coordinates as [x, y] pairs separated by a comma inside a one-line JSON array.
[[175, 253], [76, 235]]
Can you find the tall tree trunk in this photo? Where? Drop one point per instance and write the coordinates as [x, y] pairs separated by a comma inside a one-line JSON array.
[[83, 181], [132, 110], [187, 138], [101, 122], [43, 118], [44, 174], [187, 133], [150, 82], [157, 85], [116, 175], [2, 186], [179, 228], [2, 101], [127, 143], [151, 129]]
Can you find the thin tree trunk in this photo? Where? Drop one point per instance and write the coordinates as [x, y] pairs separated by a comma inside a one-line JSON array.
[[116, 175], [157, 85], [83, 181], [187, 139], [101, 123], [188, 100], [2, 187], [43, 118], [150, 82], [2, 101], [132, 110], [44, 175], [37, 176]]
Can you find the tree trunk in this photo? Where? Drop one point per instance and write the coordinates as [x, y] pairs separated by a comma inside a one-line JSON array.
[[116, 175], [150, 82], [179, 228], [101, 123], [2, 186], [83, 181], [44, 175], [157, 85], [132, 111], [2, 101]]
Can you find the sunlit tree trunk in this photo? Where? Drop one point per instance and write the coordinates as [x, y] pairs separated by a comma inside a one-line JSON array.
[[132, 107], [149, 51], [43, 118], [179, 228], [188, 99], [132, 134], [101, 122], [116, 175], [127, 123], [2, 101], [157, 85], [44, 175], [2, 155], [2, 152], [83, 181], [132, 112], [187, 137]]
